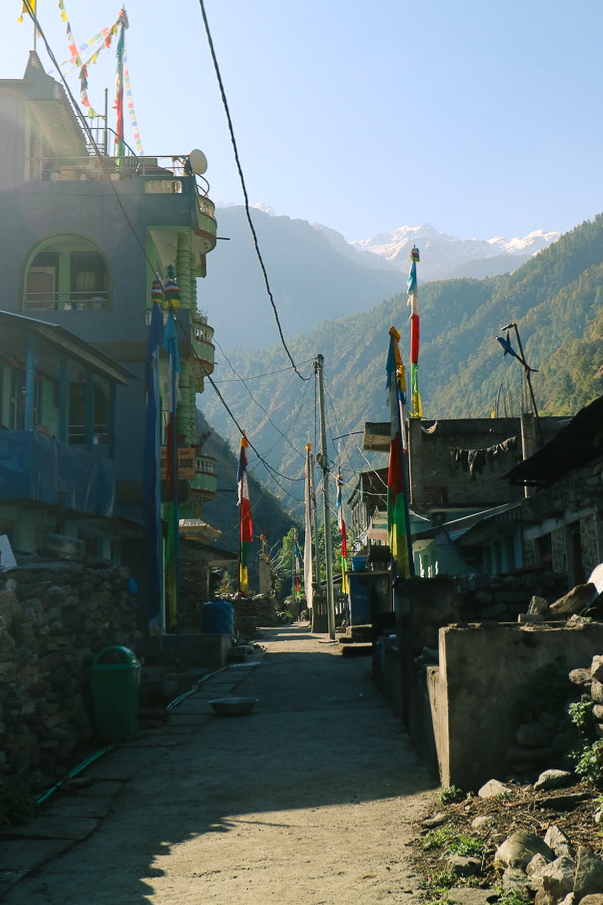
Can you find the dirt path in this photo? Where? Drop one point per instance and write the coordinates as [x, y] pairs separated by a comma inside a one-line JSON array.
[[307, 800]]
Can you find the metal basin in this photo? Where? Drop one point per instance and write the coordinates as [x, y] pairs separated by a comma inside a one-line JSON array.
[[233, 706]]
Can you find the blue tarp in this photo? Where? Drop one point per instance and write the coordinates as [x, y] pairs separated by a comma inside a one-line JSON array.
[[36, 467]]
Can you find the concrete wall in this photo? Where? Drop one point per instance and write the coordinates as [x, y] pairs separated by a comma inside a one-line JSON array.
[[483, 669]]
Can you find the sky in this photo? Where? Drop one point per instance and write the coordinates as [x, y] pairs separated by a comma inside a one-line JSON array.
[[482, 118]]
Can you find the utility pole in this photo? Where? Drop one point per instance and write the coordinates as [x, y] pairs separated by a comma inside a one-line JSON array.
[[293, 567], [324, 464]]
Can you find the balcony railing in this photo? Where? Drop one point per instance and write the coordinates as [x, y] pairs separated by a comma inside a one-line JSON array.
[[205, 482], [94, 300]]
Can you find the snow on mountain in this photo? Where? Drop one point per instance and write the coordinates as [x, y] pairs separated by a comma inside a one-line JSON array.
[[444, 255]]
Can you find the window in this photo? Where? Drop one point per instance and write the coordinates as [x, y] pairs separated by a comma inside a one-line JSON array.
[[66, 273]]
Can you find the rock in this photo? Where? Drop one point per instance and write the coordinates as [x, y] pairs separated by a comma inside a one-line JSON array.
[[518, 850], [575, 601], [463, 865], [589, 874], [518, 754], [553, 779], [482, 821], [558, 879], [596, 668], [598, 712], [466, 896], [580, 677], [532, 735], [437, 820], [594, 899], [493, 788], [596, 691], [534, 866], [515, 880], [560, 844], [538, 606]]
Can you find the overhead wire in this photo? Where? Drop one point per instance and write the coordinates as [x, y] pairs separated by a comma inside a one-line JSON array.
[[244, 188], [243, 380]]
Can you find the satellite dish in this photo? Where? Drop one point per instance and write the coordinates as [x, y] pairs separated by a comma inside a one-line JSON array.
[[198, 161]]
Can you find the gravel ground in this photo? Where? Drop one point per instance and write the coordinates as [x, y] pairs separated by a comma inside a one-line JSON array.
[[314, 798]]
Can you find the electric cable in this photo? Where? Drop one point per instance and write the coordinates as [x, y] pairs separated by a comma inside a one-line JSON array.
[[244, 188], [255, 401]]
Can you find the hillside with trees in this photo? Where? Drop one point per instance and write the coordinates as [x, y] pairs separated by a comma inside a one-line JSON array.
[[555, 299]]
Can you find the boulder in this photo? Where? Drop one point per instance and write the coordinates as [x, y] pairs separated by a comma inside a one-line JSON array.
[[493, 788], [519, 849], [596, 668], [538, 606], [589, 874], [553, 779], [533, 735], [558, 842], [462, 865], [575, 601], [558, 879], [483, 820]]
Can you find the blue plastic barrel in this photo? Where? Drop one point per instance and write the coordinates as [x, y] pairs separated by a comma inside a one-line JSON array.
[[217, 618]]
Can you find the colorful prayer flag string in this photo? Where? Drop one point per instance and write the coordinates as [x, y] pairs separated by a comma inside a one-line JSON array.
[[416, 409]]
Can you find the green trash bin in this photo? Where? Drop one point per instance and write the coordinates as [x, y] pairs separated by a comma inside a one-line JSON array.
[[114, 681]]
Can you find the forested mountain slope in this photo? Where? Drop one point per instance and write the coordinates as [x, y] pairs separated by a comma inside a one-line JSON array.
[[555, 299]]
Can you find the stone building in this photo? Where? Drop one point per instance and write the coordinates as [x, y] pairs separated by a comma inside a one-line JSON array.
[[562, 523]]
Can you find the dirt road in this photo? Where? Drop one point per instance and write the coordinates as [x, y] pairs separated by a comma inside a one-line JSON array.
[[307, 800]]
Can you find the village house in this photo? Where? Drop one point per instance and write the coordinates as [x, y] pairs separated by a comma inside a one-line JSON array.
[[85, 232]]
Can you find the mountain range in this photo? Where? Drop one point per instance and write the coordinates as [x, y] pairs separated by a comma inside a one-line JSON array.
[[555, 298], [314, 274]]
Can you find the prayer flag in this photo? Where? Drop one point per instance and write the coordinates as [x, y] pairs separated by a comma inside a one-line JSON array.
[[246, 527], [344, 536], [151, 471], [397, 521], [413, 302]]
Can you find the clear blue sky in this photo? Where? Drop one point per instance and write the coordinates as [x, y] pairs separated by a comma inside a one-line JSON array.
[[482, 118]]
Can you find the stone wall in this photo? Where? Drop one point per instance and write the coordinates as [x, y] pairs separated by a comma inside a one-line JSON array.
[[501, 598], [53, 618], [575, 499]]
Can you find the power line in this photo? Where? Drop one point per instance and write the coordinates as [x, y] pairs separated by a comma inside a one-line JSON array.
[[244, 188]]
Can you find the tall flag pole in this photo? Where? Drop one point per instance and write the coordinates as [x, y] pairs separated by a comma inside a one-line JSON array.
[[151, 480], [246, 527], [413, 301], [119, 85], [308, 587], [398, 521], [344, 536], [29, 6]]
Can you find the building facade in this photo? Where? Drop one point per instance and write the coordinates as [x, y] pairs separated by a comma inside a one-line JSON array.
[[83, 236]]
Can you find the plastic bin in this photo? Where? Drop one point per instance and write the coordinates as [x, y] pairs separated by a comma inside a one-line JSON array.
[[114, 681], [217, 618]]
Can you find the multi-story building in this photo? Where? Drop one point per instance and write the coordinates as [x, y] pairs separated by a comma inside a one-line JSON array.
[[83, 234]]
